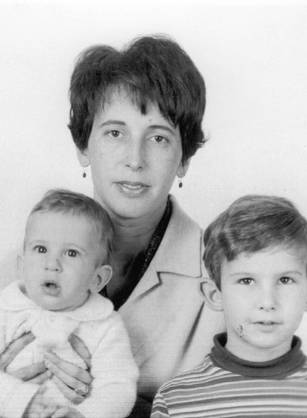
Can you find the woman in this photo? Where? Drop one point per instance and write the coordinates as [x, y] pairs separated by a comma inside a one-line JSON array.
[[136, 121]]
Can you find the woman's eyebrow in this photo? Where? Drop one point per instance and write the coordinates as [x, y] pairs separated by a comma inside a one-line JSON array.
[[112, 122], [162, 127]]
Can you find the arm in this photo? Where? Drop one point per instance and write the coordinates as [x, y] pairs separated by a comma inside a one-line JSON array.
[[14, 393], [115, 375]]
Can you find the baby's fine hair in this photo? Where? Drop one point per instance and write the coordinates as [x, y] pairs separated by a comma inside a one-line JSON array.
[[151, 69], [78, 204], [252, 223]]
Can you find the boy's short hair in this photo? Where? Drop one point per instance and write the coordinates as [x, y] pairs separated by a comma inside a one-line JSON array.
[[152, 69], [78, 204], [250, 224]]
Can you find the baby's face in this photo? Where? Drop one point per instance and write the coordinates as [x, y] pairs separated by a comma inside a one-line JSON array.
[[60, 259], [264, 295]]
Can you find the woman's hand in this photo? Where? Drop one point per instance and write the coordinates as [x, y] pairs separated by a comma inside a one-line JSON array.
[[73, 381], [35, 373]]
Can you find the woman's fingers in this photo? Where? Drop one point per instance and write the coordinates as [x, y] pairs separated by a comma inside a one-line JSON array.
[[13, 349], [81, 349], [69, 373], [69, 393], [41, 378], [30, 372]]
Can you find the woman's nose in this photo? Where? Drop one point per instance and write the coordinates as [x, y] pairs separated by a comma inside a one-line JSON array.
[[135, 155]]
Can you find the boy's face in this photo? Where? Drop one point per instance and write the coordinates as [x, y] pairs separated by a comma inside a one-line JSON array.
[[264, 296], [60, 260]]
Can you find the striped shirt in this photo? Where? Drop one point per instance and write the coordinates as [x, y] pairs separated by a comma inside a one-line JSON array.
[[226, 386]]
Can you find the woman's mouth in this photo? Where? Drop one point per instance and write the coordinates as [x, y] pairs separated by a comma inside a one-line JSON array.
[[131, 188]]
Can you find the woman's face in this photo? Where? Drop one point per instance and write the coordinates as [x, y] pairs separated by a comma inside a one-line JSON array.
[[134, 158]]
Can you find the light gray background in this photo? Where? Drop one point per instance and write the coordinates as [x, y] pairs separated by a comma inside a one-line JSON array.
[[252, 54]]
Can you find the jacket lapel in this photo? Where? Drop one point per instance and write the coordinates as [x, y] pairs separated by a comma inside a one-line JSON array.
[[172, 256]]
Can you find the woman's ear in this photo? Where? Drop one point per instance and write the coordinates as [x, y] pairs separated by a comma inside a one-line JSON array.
[[83, 157], [101, 278], [183, 168], [213, 295]]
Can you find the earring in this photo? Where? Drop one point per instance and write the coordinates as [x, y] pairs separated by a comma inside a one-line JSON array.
[[180, 184], [84, 174]]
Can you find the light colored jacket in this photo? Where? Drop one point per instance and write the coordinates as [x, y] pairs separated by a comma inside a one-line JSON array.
[[171, 327]]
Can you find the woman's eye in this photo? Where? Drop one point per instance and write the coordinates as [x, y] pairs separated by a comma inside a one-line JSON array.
[[246, 280], [40, 249], [159, 139], [286, 280], [114, 133], [71, 253]]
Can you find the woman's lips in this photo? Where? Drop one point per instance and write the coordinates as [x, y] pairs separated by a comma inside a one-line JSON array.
[[132, 188]]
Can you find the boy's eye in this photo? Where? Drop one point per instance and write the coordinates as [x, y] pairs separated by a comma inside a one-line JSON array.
[[286, 280], [40, 249], [71, 253], [246, 280]]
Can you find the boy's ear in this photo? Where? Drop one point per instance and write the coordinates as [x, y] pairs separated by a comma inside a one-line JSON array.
[[183, 168], [213, 295], [101, 278], [83, 157]]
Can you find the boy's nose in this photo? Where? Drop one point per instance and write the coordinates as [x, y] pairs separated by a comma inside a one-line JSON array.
[[267, 299]]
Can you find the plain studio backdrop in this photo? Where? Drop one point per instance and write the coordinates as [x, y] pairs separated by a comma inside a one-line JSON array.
[[253, 56]]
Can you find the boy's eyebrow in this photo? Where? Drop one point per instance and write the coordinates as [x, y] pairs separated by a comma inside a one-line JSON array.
[[245, 273]]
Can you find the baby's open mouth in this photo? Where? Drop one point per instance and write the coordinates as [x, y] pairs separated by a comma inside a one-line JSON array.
[[51, 287]]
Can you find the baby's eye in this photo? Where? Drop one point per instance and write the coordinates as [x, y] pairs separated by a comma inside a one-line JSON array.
[[71, 252], [40, 249], [286, 280], [246, 280]]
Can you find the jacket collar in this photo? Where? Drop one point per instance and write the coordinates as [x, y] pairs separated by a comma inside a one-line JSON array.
[[178, 254], [180, 249]]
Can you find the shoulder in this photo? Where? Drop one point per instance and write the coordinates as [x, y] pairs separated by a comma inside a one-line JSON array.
[[193, 378], [181, 248], [8, 268]]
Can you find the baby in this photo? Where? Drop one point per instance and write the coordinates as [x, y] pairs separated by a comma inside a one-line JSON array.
[[63, 268]]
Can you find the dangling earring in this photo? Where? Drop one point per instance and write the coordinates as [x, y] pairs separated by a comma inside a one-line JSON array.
[[84, 174], [180, 184]]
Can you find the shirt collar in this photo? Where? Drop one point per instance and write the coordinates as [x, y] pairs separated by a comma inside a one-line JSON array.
[[277, 368], [96, 307]]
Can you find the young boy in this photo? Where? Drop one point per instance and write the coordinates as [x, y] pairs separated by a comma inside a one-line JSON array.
[[63, 268], [256, 256]]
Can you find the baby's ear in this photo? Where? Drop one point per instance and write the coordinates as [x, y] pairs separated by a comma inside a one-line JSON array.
[[213, 295], [101, 278], [20, 265]]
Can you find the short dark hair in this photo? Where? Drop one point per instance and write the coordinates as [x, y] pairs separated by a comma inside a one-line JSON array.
[[78, 204], [250, 224], [152, 69]]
